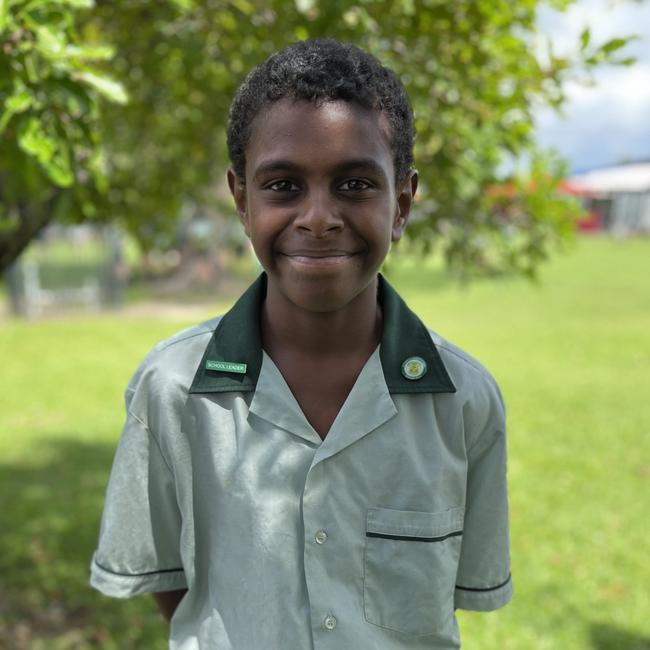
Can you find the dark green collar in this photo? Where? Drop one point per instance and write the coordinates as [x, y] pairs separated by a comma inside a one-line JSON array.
[[237, 340]]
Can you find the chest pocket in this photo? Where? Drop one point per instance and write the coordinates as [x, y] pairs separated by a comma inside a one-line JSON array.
[[410, 565]]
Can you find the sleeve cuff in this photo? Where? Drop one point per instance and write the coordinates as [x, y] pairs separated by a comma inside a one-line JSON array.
[[120, 585], [481, 599]]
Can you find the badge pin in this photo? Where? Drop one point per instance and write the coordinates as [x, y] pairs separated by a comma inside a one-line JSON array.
[[414, 368]]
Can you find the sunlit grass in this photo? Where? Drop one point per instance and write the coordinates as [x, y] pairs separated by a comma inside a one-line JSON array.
[[572, 356]]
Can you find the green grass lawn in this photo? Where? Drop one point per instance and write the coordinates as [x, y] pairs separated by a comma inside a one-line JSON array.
[[572, 356]]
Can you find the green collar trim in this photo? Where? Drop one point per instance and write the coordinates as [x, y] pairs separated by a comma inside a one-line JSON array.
[[405, 336], [236, 340], [236, 343]]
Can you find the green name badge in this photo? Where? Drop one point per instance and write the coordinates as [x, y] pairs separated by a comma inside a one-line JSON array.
[[226, 366]]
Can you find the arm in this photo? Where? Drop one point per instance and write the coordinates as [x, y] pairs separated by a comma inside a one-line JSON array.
[[483, 580], [168, 601], [139, 542]]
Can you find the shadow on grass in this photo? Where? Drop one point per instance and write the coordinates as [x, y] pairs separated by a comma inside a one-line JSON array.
[[49, 518], [608, 637]]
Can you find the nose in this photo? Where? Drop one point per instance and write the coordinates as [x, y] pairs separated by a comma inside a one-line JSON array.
[[318, 214]]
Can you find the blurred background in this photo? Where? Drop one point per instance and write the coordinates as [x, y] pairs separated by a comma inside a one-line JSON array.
[[529, 247]]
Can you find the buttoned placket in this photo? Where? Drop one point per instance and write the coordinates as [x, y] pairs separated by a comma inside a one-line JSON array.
[[368, 406]]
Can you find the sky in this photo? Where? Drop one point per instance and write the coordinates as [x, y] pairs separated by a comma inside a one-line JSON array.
[[608, 122]]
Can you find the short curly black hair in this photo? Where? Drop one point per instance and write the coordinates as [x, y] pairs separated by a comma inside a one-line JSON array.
[[322, 70]]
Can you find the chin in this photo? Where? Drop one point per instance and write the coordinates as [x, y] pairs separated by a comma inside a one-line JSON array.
[[322, 297], [320, 302]]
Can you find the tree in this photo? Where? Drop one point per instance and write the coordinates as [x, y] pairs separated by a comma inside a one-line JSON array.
[[68, 150], [50, 138]]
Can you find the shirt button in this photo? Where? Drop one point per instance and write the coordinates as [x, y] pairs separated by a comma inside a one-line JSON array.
[[321, 537], [330, 622]]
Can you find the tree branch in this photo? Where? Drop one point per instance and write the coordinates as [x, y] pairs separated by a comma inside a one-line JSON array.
[[32, 218]]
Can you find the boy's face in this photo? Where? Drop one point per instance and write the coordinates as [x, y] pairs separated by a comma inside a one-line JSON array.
[[319, 201]]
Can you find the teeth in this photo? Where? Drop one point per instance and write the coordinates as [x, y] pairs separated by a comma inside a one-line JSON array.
[[319, 260]]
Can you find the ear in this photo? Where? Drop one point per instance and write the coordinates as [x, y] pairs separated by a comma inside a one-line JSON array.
[[405, 195], [238, 190]]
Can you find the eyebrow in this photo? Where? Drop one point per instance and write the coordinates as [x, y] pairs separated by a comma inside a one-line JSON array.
[[366, 164], [275, 166]]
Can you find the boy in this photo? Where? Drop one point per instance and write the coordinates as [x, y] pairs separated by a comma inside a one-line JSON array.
[[315, 469]]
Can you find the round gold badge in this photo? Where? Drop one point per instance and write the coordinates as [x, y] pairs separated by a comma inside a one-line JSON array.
[[414, 368]]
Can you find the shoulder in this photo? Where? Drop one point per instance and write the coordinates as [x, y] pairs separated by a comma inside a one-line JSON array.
[[170, 366], [477, 392], [466, 371]]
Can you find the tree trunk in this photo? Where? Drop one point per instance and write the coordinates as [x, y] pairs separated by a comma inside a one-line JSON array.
[[32, 218], [15, 280]]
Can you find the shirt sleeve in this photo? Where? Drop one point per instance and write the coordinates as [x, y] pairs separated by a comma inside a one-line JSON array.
[[139, 538], [483, 581]]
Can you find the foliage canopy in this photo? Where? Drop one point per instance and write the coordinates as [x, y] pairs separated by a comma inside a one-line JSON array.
[[133, 131]]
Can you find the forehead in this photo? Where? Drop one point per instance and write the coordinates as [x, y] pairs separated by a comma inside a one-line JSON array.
[[328, 133]]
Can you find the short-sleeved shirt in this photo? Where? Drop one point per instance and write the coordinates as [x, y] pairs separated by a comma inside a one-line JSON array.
[[369, 538]]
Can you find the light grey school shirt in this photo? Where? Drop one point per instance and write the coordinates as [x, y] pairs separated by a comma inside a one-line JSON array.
[[367, 540]]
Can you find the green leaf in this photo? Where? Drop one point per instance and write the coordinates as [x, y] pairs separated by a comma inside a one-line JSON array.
[[244, 6], [613, 45], [17, 103], [4, 13], [59, 168], [78, 4], [58, 4], [90, 52], [50, 42], [184, 5], [585, 37], [104, 85], [50, 151], [33, 140], [32, 68]]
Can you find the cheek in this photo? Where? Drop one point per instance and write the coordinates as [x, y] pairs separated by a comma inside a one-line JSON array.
[[262, 252]]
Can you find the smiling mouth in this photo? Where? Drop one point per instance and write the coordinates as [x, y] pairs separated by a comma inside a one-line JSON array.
[[318, 258]]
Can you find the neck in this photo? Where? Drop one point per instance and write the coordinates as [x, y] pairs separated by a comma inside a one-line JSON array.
[[352, 330]]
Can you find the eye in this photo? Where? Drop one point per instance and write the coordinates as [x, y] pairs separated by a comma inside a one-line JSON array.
[[354, 185], [282, 186]]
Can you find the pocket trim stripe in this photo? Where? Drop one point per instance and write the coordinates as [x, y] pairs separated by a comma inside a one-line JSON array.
[[411, 538]]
